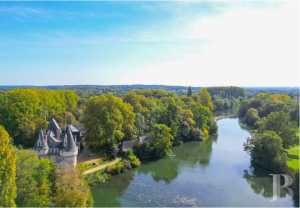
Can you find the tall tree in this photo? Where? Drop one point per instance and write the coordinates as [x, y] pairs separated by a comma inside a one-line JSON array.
[[104, 119], [189, 94], [71, 189], [279, 122], [266, 150], [33, 179], [206, 99], [7, 171], [129, 133], [162, 140]]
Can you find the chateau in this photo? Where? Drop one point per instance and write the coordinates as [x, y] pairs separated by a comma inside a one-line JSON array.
[[60, 145]]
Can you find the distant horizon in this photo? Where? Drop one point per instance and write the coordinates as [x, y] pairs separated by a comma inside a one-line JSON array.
[[147, 85]]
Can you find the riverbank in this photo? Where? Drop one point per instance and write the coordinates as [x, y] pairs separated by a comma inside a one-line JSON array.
[[213, 173], [230, 116]]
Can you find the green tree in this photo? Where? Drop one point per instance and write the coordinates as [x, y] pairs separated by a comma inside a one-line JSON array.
[[162, 140], [189, 94], [243, 108], [266, 150], [104, 119], [33, 181], [206, 99], [201, 115], [251, 116], [7, 171], [279, 122]]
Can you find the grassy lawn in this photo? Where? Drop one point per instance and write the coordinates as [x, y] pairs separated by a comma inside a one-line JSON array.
[[120, 164], [293, 157]]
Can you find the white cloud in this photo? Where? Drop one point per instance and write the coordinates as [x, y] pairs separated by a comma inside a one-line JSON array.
[[249, 47]]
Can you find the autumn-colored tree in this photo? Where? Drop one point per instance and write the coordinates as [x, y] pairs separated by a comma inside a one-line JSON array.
[[64, 118], [71, 189], [206, 99], [7, 171], [129, 133]]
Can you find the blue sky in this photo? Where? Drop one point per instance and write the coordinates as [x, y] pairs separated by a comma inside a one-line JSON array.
[[173, 43]]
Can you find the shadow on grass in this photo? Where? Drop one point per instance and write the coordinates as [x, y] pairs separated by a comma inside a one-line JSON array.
[[293, 157]]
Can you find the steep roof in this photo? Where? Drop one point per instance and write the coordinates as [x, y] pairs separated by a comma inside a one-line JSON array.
[[78, 127], [71, 145], [41, 138], [128, 144], [145, 138], [53, 126]]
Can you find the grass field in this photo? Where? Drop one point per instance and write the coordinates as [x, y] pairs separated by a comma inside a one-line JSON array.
[[293, 155]]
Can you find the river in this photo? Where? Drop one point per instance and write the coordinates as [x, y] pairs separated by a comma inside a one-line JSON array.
[[212, 173]]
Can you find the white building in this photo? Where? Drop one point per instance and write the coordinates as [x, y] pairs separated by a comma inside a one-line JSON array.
[[61, 146]]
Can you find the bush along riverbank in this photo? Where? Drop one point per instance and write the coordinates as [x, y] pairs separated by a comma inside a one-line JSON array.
[[99, 177]]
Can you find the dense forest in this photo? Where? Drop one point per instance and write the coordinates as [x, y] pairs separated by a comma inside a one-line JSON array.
[[169, 119], [275, 119]]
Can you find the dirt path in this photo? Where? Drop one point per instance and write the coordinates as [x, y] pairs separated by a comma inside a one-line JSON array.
[[102, 166], [85, 158], [220, 117]]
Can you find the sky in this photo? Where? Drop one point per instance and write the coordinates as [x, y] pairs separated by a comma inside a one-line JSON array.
[[195, 43]]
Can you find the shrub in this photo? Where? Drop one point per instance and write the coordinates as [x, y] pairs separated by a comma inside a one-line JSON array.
[[118, 170], [96, 178], [134, 161], [126, 163], [107, 168]]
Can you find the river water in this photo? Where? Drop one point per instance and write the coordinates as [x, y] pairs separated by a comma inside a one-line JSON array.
[[212, 173]]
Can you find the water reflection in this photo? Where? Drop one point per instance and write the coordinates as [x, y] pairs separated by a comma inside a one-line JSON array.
[[260, 181], [113, 190], [167, 174], [212, 173]]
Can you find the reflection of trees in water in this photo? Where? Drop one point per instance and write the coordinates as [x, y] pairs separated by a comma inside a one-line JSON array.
[[115, 188], [191, 153], [196, 152], [261, 181], [161, 170]]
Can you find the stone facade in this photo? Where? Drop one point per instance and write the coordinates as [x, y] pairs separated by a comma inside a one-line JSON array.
[[58, 145]]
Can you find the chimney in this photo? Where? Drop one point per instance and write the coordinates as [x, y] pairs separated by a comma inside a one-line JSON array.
[[58, 134]]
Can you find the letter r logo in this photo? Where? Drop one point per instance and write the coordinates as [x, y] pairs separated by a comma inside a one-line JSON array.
[[276, 185]]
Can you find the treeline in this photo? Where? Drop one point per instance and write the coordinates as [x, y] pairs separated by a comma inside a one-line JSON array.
[[27, 181], [227, 92], [276, 120], [169, 119], [23, 111]]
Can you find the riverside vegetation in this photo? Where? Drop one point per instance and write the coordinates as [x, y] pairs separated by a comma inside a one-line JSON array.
[[169, 118], [275, 119]]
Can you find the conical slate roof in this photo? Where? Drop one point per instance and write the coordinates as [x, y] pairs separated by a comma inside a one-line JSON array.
[[71, 145], [42, 139]]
